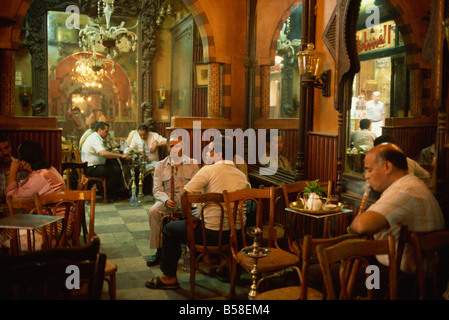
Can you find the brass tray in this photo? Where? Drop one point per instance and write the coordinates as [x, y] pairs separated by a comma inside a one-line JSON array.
[[298, 206]]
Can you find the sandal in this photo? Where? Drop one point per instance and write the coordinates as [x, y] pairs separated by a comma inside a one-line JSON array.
[[156, 283]]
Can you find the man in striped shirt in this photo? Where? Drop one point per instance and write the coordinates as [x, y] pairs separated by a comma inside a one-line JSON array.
[[405, 200]]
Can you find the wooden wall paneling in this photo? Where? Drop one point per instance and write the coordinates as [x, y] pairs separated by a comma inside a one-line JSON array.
[[49, 139], [322, 157]]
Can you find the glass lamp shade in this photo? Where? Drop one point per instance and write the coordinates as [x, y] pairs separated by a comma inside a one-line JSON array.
[[162, 92], [309, 61]]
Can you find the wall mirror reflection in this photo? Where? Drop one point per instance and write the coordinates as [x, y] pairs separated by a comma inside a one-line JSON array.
[[387, 91], [91, 81], [284, 74]]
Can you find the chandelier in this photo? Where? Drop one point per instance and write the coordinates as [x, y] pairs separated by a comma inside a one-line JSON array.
[[90, 71], [112, 40]]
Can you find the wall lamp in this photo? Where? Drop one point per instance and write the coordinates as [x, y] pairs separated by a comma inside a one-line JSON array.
[[161, 97], [24, 96], [309, 63]]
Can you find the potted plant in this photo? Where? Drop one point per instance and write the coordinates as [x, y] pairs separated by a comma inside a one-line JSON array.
[[314, 187], [312, 194]]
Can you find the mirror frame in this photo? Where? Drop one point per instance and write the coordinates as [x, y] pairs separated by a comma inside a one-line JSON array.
[[145, 12]]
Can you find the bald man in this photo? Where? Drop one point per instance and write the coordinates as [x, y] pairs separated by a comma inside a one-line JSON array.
[[405, 200]]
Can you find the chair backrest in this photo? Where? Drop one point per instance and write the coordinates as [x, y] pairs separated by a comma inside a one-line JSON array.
[[202, 201], [80, 167], [432, 261], [236, 202], [20, 205], [53, 274], [353, 255], [309, 251], [72, 203], [77, 154]]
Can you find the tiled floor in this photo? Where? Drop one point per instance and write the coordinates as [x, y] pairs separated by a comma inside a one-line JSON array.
[[124, 235]]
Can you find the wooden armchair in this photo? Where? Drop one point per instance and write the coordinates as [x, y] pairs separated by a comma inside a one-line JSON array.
[[42, 275], [432, 262], [15, 206], [301, 291], [198, 242], [77, 199], [353, 255], [278, 259], [69, 168]]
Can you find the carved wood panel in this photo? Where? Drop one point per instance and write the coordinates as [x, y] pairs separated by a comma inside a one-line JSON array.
[[146, 11]]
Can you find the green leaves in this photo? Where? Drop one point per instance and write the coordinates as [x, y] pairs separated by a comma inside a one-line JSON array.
[[314, 187]]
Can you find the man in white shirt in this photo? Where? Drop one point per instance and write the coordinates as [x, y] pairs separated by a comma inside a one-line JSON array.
[[363, 139], [146, 143], [375, 110], [95, 153], [183, 172], [219, 176]]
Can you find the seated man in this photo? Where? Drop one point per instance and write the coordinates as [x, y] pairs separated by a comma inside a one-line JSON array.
[[95, 153], [5, 164], [363, 139], [145, 143], [271, 157], [405, 200], [222, 175], [87, 133], [167, 198], [413, 166]]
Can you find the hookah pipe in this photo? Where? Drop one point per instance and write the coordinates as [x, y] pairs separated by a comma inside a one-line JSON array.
[[172, 184], [364, 198]]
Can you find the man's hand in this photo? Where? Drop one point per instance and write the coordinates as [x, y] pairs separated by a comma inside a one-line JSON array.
[[126, 157], [171, 204]]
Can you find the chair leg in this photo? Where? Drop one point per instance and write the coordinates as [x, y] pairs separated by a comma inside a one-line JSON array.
[[193, 265], [105, 198], [111, 286]]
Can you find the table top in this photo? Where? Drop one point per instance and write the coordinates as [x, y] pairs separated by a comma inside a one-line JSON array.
[[319, 215], [27, 221]]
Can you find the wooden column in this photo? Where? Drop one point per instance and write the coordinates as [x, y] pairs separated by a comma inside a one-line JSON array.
[[7, 73], [213, 92], [264, 92]]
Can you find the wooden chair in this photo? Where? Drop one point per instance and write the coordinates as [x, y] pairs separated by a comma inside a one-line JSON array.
[[15, 206], [42, 275], [432, 261], [69, 168], [73, 202], [78, 198], [200, 246], [278, 259], [66, 152], [101, 180], [302, 290], [353, 255]]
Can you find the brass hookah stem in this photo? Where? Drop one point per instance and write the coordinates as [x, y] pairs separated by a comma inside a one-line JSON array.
[[172, 183], [364, 198]]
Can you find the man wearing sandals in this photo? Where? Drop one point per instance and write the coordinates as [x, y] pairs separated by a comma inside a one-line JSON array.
[[219, 176]]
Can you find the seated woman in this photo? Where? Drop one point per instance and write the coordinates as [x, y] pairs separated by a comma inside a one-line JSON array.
[[43, 178]]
